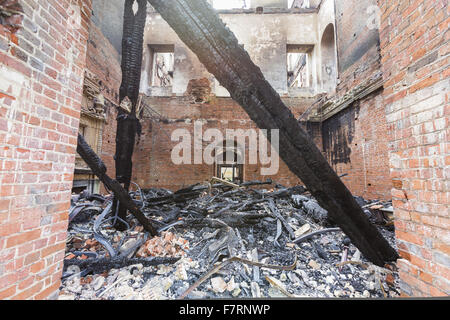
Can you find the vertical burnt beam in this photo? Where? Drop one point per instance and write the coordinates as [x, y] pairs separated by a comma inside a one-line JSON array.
[[132, 50], [128, 125], [201, 29]]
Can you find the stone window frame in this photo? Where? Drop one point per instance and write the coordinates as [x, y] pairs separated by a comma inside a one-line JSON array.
[[155, 49]]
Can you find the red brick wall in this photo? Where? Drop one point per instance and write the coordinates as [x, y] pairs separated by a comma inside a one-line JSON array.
[[355, 144], [153, 166], [355, 139], [415, 58], [103, 60], [40, 96], [109, 141]]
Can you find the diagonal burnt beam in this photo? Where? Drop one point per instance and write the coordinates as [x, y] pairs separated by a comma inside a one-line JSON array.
[[201, 29]]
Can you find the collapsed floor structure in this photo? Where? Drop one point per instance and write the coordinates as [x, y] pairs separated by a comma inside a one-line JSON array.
[[368, 81], [221, 241]]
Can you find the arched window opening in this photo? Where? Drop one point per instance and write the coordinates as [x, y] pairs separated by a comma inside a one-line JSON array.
[[230, 163], [329, 65]]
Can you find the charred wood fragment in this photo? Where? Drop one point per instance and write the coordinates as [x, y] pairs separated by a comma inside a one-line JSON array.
[[201, 29], [194, 191], [279, 217], [231, 219], [132, 50]]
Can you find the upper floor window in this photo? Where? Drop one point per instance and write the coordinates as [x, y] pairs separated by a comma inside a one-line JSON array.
[[162, 65], [231, 4]]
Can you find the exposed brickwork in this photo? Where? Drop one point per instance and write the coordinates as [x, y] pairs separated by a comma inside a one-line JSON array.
[[109, 140], [368, 65], [357, 39], [355, 139], [40, 100], [103, 60], [415, 58], [355, 144], [153, 166]]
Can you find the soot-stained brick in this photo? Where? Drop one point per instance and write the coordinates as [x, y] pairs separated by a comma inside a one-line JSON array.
[[338, 134]]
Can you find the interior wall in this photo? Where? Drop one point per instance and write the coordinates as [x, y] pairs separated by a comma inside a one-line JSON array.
[[108, 16], [328, 59], [356, 36], [354, 138], [355, 144]]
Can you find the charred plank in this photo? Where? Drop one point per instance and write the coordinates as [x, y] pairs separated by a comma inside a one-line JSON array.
[[128, 125]]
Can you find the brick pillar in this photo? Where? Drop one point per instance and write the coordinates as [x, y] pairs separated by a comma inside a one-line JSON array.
[[41, 80], [415, 58]]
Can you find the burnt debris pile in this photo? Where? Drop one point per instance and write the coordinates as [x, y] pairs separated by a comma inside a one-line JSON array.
[[220, 240]]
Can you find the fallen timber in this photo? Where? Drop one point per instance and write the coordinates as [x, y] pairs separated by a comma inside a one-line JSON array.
[[201, 29], [99, 169], [193, 192]]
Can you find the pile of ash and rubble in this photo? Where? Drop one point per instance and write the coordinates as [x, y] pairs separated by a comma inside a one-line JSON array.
[[219, 241]]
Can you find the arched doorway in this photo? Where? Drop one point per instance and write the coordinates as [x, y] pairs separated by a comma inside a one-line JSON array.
[[229, 162], [329, 63]]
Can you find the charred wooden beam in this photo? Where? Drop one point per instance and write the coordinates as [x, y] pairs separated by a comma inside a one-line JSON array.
[[99, 169], [201, 29], [128, 125]]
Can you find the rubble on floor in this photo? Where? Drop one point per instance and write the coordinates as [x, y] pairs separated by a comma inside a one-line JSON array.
[[219, 241]]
